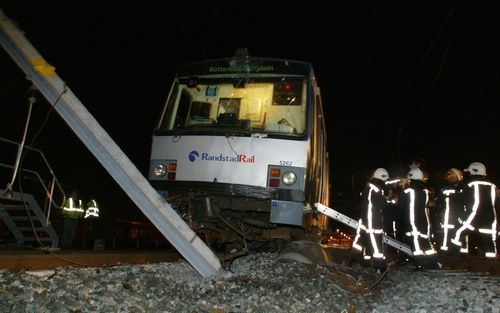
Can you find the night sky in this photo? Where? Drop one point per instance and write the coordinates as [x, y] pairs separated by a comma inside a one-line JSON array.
[[399, 79]]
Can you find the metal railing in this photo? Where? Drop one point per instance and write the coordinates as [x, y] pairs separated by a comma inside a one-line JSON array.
[[47, 187]]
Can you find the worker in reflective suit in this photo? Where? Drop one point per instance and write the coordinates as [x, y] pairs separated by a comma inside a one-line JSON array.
[[72, 212], [450, 203], [367, 244], [479, 217], [413, 203]]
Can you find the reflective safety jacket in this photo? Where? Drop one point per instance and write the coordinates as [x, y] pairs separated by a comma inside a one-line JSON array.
[[413, 202], [451, 204], [73, 208], [373, 205], [92, 210], [479, 200]]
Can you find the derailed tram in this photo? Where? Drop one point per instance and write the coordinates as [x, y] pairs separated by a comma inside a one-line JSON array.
[[240, 151]]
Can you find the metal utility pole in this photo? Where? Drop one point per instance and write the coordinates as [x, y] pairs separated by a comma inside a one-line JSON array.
[[97, 140]]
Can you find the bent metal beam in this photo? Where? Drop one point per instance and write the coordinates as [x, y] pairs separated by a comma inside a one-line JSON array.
[[107, 152]]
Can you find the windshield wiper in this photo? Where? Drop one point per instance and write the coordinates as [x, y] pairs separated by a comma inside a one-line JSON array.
[[192, 128]]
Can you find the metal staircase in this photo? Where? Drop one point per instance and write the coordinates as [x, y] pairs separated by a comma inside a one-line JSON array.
[[25, 220], [20, 212]]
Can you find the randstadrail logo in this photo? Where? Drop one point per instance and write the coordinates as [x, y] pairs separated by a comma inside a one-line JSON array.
[[193, 155], [240, 158]]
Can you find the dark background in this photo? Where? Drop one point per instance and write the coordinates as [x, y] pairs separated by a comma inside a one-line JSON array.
[[399, 79]]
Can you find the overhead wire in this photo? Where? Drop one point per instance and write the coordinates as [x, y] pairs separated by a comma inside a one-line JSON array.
[[412, 78], [217, 18], [186, 31], [431, 88], [47, 115], [31, 100], [23, 154]]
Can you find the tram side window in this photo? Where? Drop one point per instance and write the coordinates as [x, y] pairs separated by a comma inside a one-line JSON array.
[[166, 121], [182, 111]]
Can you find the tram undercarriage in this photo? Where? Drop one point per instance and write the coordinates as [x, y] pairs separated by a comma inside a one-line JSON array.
[[232, 224]]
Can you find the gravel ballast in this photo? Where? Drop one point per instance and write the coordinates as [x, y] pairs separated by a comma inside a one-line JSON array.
[[254, 283]]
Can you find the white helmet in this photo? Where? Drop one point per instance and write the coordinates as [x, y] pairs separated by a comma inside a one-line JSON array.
[[477, 168], [381, 173], [458, 173], [415, 174]]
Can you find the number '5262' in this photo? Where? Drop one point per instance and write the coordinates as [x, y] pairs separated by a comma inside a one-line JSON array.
[[286, 163]]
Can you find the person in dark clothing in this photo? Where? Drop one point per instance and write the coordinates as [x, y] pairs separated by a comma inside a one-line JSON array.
[[479, 217], [432, 207], [450, 205], [367, 244], [413, 203], [394, 221], [90, 218]]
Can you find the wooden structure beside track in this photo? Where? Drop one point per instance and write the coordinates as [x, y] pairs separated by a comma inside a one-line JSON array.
[[40, 259], [471, 264]]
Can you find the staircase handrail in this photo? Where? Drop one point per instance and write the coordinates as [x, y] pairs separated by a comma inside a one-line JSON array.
[[51, 171]]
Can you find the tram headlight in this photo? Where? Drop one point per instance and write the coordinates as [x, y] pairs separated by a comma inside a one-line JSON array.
[[289, 178], [285, 177], [160, 170]]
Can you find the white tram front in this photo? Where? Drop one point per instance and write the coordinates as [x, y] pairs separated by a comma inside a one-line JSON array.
[[240, 150]]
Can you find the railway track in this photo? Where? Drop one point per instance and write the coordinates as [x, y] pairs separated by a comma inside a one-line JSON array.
[[37, 259]]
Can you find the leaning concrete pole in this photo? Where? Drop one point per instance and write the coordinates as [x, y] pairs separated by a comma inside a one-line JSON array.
[[97, 140]]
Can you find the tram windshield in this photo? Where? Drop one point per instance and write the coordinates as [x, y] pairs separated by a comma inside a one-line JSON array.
[[274, 104]]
